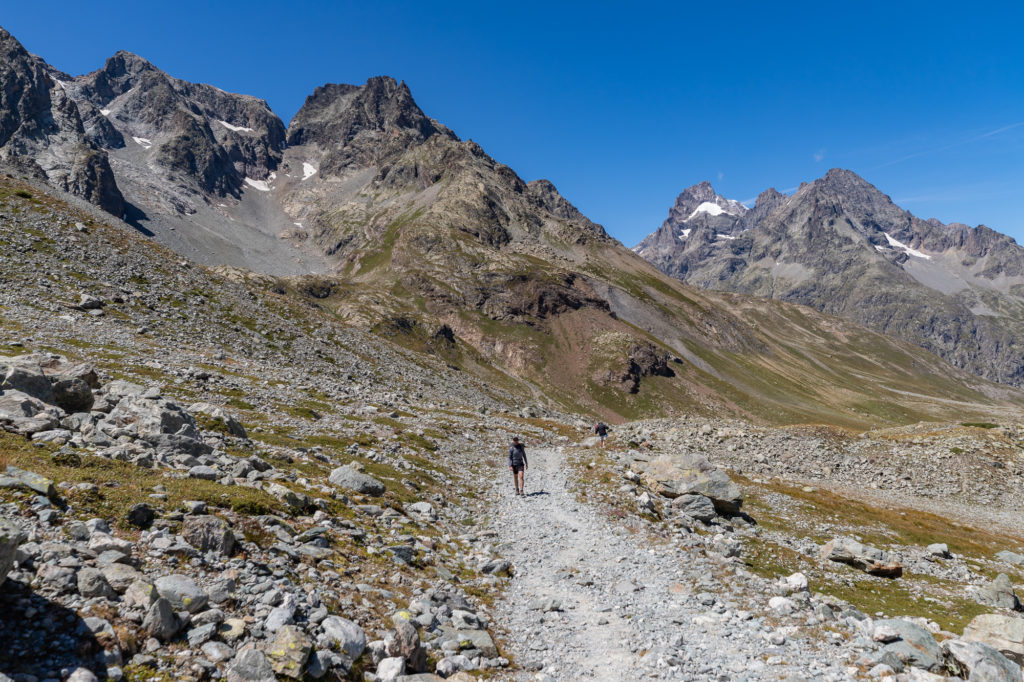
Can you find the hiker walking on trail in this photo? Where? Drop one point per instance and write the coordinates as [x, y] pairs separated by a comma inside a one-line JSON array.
[[517, 463], [601, 429]]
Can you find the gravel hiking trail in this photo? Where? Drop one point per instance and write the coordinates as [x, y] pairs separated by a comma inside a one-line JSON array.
[[590, 600]]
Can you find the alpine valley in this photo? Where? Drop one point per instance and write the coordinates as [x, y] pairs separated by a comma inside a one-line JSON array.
[[257, 382]]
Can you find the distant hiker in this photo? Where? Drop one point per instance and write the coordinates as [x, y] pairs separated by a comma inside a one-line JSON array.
[[517, 463], [601, 429]]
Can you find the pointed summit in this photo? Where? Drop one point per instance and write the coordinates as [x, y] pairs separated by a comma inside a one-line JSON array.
[[360, 125]]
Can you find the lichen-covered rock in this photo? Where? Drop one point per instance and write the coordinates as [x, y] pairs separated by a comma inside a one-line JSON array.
[[289, 651]]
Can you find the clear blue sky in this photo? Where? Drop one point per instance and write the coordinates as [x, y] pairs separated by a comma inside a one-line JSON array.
[[621, 105]]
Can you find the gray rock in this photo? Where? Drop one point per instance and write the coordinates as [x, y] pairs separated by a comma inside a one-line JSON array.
[[345, 635], [250, 665], [350, 478], [289, 651], [72, 395], [999, 593], [121, 576], [692, 474], [207, 473], [140, 592], [938, 549], [24, 374], [208, 534], [34, 481], [1010, 557], [140, 515], [201, 634], [404, 642], [390, 669], [281, 615], [160, 621], [1003, 633], [11, 536], [473, 639], [219, 414], [57, 578], [423, 511], [696, 506], [979, 662], [92, 583], [182, 592], [217, 652], [916, 645], [82, 675]]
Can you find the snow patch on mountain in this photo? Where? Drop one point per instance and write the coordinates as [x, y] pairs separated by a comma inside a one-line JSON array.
[[308, 170], [261, 185], [897, 244], [143, 142], [237, 129]]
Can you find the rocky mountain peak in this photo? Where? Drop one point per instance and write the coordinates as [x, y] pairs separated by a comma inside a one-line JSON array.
[[360, 125], [41, 129]]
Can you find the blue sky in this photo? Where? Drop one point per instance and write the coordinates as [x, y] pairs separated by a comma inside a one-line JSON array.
[[623, 106]]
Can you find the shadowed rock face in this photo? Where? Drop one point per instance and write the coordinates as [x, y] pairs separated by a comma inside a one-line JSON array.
[[41, 130], [843, 247]]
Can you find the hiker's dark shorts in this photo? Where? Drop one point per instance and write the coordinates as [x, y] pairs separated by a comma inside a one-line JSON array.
[[517, 468]]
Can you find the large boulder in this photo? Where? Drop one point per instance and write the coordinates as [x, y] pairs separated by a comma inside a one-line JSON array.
[[863, 557], [208, 534], [24, 374], [152, 416], [691, 474], [999, 593], [915, 646], [221, 416], [1003, 633], [72, 395], [979, 662], [351, 478], [11, 535], [24, 414]]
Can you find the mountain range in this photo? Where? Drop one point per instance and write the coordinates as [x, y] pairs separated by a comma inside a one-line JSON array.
[[841, 246], [375, 214]]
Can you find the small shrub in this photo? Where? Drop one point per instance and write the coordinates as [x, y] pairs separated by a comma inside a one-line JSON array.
[[980, 425], [24, 194]]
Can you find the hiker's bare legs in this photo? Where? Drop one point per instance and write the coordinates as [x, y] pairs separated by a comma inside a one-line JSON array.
[[520, 481]]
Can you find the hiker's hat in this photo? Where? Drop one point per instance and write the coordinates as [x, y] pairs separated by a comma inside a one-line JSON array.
[[515, 439]]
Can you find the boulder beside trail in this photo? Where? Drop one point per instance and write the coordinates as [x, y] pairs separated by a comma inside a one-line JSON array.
[[690, 474]]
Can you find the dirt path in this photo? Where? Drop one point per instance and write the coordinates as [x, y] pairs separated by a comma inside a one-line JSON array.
[[591, 601]]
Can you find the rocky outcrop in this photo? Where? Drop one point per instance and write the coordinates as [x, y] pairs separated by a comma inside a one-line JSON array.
[[41, 130], [863, 557]]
